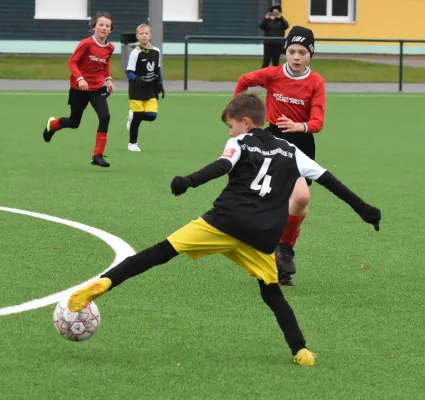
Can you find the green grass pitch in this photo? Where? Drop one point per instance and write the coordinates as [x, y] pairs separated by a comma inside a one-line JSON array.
[[198, 329]]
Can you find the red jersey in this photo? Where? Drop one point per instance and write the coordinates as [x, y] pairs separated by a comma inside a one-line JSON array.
[[299, 98], [90, 61]]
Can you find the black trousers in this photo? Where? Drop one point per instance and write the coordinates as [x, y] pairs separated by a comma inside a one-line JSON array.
[[272, 52], [78, 101], [304, 141]]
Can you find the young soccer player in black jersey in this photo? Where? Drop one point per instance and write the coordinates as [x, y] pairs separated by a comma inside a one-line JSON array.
[[144, 84], [247, 219]]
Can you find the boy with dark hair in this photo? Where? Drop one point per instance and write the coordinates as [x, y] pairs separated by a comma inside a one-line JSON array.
[[295, 104], [247, 218], [145, 84]]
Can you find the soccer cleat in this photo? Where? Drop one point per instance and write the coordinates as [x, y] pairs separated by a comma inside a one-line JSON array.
[[285, 259], [129, 119], [286, 279], [305, 358], [99, 161], [81, 298], [47, 133], [133, 147]]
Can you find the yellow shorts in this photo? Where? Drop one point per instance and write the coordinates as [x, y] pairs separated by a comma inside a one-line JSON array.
[[198, 239], [150, 105]]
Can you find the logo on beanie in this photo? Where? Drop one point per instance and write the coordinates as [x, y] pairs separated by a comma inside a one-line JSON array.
[[298, 39]]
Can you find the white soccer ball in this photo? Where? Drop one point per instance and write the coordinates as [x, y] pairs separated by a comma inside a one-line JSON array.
[[76, 326]]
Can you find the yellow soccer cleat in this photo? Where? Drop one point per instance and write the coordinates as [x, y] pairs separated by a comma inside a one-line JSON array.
[[81, 298], [305, 358]]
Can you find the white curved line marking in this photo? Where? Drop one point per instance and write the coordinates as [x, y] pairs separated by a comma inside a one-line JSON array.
[[122, 250]]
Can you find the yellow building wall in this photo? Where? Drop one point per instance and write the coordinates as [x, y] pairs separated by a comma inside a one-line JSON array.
[[375, 19]]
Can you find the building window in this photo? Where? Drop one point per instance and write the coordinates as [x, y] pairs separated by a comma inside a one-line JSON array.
[[182, 10], [336, 11], [62, 9]]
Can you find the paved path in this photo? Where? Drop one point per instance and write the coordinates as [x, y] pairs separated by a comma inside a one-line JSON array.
[[199, 86], [408, 61]]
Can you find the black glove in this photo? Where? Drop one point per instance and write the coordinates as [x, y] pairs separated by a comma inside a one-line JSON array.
[[179, 185], [370, 214], [161, 90]]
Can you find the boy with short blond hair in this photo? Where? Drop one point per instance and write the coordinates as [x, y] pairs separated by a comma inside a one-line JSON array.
[[145, 84]]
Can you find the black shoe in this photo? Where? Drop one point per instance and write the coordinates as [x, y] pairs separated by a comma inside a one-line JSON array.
[[286, 280], [285, 259], [99, 161], [48, 133]]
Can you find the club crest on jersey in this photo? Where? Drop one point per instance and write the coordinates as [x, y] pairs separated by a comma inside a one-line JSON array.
[[229, 153], [150, 66]]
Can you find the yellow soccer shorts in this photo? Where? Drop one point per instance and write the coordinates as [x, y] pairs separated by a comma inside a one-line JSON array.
[[198, 239], [150, 105]]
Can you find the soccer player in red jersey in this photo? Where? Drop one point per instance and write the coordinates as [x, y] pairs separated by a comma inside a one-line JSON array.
[[295, 104], [89, 66]]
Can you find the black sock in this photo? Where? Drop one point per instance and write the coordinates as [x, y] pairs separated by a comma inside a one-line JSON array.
[[134, 126], [64, 122], [273, 297], [159, 254]]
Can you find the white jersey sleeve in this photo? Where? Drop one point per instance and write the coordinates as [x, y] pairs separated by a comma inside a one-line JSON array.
[[232, 151], [132, 61], [308, 168]]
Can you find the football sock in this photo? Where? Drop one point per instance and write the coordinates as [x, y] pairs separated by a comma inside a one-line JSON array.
[[273, 297], [159, 254], [100, 145], [55, 125], [292, 229]]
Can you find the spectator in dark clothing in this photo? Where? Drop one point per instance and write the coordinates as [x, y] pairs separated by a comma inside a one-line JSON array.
[[273, 25]]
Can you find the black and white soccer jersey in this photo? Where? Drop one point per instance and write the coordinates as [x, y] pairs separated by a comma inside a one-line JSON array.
[[253, 207], [146, 64]]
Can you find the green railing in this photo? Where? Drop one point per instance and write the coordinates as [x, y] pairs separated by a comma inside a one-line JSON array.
[[189, 38]]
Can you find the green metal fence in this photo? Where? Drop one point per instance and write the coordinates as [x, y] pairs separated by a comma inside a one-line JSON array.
[[190, 38]]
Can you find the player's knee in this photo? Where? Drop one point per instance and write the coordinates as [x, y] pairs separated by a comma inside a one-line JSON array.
[[301, 194], [302, 199], [74, 123], [150, 116], [105, 118], [104, 122]]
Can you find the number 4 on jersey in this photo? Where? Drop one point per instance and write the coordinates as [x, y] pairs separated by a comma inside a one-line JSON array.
[[265, 187]]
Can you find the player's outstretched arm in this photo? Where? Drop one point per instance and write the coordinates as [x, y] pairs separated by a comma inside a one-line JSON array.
[[310, 169], [215, 170], [220, 167], [256, 78]]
